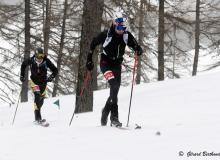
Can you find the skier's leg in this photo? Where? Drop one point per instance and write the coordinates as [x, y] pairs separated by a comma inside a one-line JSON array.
[[42, 95], [105, 113], [111, 104], [106, 70], [37, 105], [114, 89], [41, 99], [38, 100]]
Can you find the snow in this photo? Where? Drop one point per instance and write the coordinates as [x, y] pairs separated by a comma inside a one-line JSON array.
[[185, 112]]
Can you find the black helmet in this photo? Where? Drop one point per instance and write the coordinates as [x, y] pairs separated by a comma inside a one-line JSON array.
[[39, 53]]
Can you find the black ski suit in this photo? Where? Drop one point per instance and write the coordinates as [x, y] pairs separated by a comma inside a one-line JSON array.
[[38, 80], [113, 49]]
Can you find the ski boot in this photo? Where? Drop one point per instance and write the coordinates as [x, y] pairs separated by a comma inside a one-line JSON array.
[[41, 122], [115, 123], [114, 116]]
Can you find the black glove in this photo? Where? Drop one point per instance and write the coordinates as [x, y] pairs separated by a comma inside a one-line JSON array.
[[89, 62], [50, 78], [22, 78], [139, 50]]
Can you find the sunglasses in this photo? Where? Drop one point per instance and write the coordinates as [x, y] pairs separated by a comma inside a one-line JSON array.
[[40, 56], [120, 27]]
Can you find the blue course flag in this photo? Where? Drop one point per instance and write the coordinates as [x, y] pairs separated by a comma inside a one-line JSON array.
[[57, 102]]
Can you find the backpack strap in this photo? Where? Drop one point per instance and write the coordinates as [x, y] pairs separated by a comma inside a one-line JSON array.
[[108, 39], [125, 37]]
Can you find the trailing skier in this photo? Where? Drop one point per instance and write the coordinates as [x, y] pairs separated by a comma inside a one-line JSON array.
[[39, 64], [113, 41]]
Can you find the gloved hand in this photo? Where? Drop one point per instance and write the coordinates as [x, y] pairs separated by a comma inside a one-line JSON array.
[[139, 50], [89, 62], [50, 78], [22, 78]]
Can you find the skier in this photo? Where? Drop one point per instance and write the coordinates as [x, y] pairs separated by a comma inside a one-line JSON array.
[[113, 41], [38, 66]]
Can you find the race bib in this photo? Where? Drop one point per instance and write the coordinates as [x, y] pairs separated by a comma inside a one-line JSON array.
[[109, 75], [36, 88]]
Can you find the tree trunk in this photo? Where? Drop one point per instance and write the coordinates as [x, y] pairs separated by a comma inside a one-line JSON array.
[[60, 54], [47, 25], [161, 41], [174, 52], [92, 13], [98, 24], [197, 33], [24, 92], [140, 40]]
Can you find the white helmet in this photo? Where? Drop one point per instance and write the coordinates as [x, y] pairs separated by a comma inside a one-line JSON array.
[[119, 21], [119, 17]]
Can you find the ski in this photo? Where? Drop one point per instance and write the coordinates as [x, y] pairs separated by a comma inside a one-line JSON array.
[[127, 128], [121, 127]]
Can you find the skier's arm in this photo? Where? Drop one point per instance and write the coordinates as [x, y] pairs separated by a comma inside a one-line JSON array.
[[134, 44], [95, 42], [24, 64], [100, 38], [52, 67]]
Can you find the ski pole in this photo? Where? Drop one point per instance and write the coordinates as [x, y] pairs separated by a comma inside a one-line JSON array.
[[132, 86], [16, 107], [88, 76]]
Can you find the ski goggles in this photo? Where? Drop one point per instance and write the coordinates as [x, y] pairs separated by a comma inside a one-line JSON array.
[[120, 20], [40, 56], [120, 27]]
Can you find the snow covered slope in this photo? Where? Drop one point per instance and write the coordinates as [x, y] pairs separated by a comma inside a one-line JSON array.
[[186, 112]]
